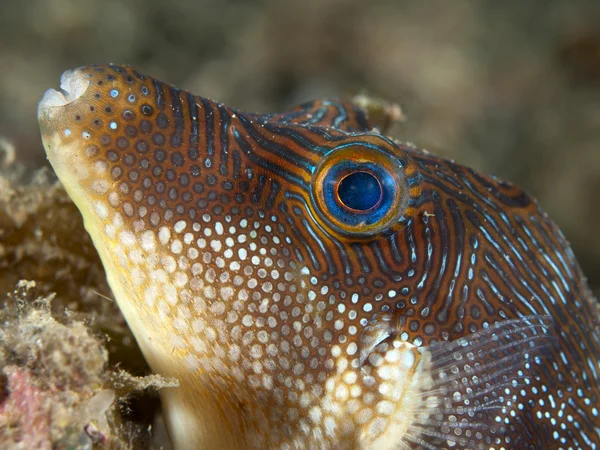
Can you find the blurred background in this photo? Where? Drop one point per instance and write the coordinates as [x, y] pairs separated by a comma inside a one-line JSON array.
[[511, 88]]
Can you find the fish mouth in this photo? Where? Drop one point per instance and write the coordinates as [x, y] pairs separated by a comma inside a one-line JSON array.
[[73, 84]]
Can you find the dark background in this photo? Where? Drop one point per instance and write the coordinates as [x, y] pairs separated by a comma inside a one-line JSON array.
[[509, 87]]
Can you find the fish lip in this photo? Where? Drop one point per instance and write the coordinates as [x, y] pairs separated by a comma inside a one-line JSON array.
[[73, 84]]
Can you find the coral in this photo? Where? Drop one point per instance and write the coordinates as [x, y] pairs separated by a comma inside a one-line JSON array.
[[54, 379], [57, 388], [62, 336]]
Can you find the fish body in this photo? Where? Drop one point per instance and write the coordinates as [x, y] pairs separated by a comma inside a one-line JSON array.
[[314, 284]]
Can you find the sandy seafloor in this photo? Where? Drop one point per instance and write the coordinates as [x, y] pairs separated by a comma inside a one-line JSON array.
[[511, 88]]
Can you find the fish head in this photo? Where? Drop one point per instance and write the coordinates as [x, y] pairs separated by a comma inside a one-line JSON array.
[[298, 271]]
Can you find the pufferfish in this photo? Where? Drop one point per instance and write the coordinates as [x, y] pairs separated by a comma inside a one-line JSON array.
[[315, 284]]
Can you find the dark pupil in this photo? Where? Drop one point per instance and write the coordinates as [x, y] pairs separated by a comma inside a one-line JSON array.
[[360, 191]]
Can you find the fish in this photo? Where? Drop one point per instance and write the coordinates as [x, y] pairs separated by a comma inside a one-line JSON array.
[[313, 283]]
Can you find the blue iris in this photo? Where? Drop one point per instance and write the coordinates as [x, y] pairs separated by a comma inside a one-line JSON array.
[[359, 191]]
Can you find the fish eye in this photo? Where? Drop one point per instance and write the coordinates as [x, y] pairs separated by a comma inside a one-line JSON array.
[[359, 189]]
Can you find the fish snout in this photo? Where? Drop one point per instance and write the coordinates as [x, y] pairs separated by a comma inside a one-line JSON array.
[[66, 120]]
